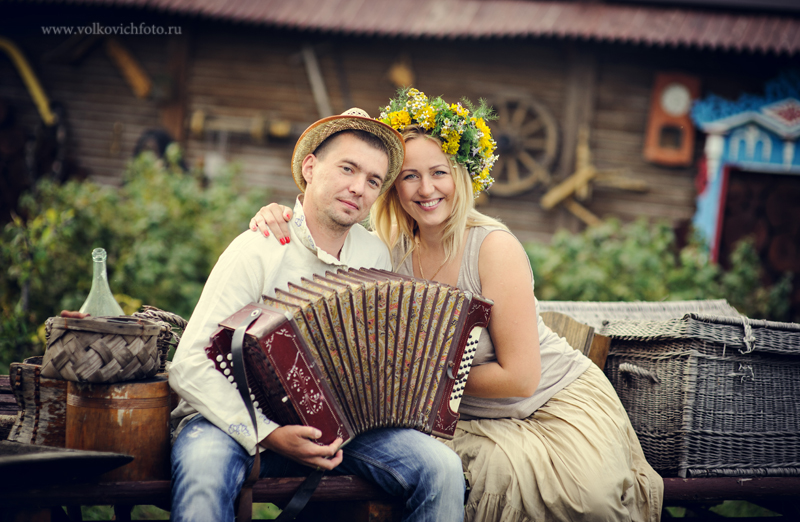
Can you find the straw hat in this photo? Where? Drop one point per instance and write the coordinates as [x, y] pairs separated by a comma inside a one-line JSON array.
[[353, 119]]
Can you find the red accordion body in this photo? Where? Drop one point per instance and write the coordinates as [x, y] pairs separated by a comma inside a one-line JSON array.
[[357, 350]]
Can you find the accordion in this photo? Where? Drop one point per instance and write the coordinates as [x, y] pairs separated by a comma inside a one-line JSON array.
[[356, 350]]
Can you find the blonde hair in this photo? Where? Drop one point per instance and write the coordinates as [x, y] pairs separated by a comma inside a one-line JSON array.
[[396, 228]]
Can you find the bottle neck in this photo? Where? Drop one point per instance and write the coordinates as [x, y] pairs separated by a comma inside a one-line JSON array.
[[100, 271]]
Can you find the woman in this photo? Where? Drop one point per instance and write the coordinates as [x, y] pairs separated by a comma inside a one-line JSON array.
[[542, 435]]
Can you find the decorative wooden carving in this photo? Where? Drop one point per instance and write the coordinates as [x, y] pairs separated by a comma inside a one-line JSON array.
[[527, 142], [670, 132]]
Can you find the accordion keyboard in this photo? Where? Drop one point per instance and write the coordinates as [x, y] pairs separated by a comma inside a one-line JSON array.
[[463, 368]]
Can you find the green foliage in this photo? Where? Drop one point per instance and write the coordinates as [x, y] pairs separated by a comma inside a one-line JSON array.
[[641, 261], [727, 509], [163, 231], [260, 512]]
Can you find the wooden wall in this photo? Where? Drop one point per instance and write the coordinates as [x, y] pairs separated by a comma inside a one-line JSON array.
[[240, 71], [104, 117]]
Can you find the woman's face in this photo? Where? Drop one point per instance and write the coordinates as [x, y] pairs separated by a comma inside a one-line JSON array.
[[425, 185]]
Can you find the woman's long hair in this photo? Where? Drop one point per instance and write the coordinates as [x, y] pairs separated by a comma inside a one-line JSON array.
[[397, 229]]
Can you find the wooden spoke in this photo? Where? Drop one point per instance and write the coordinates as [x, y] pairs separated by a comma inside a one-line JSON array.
[[502, 116], [534, 143], [513, 171], [519, 115], [527, 160], [539, 173], [497, 170], [531, 127]]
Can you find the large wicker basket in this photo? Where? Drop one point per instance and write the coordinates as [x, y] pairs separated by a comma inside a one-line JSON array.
[[597, 313], [102, 349], [710, 395]]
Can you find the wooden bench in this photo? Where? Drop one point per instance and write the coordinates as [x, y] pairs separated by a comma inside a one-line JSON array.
[[350, 498]]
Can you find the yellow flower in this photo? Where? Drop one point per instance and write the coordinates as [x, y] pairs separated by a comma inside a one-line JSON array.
[[451, 146], [399, 119], [476, 186], [426, 117], [461, 111]]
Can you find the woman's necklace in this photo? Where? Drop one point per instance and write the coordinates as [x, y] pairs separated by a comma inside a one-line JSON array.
[[419, 258]]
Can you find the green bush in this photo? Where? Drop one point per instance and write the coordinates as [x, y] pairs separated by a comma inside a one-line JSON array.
[[641, 261], [163, 231]]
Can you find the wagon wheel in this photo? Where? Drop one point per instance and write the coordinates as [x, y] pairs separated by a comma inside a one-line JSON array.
[[527, 140]]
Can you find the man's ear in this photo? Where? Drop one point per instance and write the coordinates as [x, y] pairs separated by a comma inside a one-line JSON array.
[[308, 167]]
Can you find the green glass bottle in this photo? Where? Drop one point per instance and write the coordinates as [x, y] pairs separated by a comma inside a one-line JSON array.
[[100, 302]]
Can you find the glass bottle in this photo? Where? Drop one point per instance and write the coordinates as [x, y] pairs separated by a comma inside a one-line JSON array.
[[100, 302]]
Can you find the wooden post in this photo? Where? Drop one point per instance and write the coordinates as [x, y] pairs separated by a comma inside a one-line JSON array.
[[173, 113], [318, 89], [578, 111]]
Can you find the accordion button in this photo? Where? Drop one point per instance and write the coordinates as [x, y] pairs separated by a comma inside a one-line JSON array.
[[230, 378], [226, 371], [223, 365], [252, 397], [285, 399], [256, 404], [219, 358], [230, 357]]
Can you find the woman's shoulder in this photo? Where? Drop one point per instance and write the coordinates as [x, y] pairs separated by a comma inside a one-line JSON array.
[[492, 238], [502, 255]]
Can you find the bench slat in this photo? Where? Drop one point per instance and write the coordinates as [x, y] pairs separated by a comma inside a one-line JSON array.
[[350, 488], [277, 490]]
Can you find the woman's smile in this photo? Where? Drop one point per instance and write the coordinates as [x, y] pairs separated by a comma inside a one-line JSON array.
[[430, 204]]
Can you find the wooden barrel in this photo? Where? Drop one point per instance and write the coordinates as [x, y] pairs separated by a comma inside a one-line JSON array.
[[129, 417]]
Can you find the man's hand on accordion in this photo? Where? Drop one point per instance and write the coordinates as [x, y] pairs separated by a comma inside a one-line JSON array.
[[297, 443]]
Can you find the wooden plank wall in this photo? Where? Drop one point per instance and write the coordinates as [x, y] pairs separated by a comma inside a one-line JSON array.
[[242, 71], [104, 117]]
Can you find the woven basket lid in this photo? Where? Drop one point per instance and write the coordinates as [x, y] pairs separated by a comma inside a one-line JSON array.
[[101, 349]]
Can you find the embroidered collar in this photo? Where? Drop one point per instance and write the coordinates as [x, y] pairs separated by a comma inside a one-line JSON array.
[[303, 233]]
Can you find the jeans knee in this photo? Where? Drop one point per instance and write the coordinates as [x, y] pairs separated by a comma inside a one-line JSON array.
[[208, 468], [444, 471]]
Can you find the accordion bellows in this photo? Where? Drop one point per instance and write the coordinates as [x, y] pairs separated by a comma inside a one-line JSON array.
[[358, 350]]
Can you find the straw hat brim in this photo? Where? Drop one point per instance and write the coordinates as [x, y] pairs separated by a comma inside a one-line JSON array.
[[318, 132]]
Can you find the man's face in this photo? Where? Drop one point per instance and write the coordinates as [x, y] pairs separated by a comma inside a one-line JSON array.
[[343, 182]]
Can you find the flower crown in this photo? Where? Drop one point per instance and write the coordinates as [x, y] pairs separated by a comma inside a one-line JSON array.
[[461, 128]]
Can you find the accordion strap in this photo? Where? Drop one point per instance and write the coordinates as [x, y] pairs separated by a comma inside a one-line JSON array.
[[244, 510], [309, 485]]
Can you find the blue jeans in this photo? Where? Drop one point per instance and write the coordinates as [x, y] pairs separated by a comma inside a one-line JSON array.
[[209, 468]]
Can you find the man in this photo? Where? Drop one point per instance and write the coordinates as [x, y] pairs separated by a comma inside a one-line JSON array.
[[342, 164]]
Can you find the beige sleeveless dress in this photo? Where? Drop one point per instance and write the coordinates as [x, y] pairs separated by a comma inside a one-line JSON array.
[[574, 457]]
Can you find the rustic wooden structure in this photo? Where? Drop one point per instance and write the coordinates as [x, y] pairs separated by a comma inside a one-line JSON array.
[[749, 183], [257, 85], [578, 186]]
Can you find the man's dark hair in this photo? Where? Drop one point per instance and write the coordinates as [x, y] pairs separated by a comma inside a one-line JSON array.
[[367, 137]]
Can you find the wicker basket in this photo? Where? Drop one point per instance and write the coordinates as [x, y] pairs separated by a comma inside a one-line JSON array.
[[102, 349], [710, 395], [597, 313], [172, 327]]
